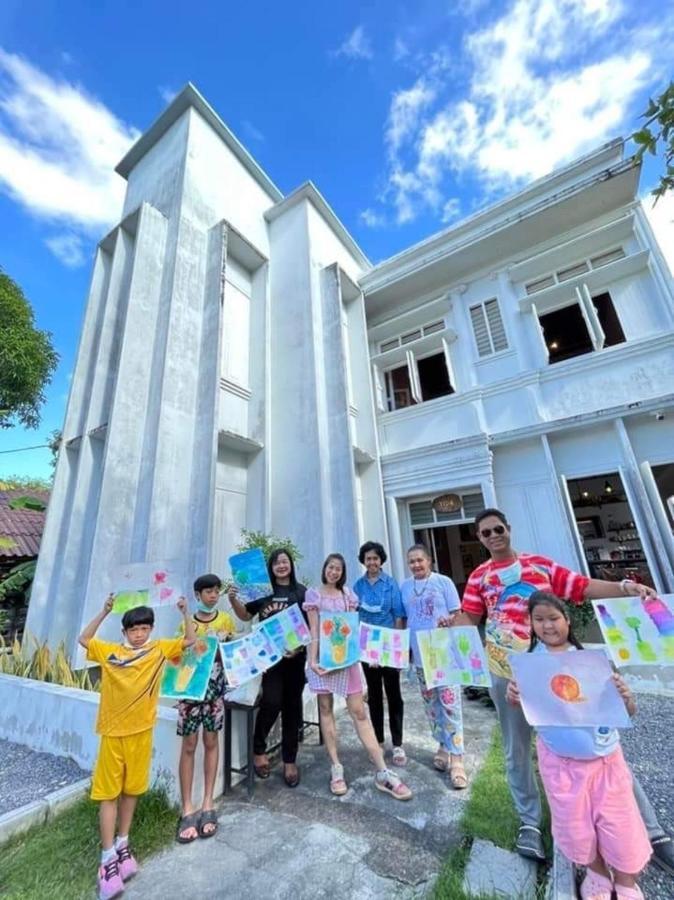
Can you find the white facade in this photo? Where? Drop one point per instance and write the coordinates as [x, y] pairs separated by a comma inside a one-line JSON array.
[[242, 364]]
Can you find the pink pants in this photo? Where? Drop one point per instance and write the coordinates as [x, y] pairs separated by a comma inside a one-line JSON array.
[[593, 809]]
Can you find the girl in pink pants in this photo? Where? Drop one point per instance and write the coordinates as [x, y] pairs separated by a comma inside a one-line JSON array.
[[595, 818]]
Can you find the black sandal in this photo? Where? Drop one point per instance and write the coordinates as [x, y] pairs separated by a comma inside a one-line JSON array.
[[191, 820], [208, 817], [292, 780]]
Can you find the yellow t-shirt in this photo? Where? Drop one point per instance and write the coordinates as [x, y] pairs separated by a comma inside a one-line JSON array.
[[221, 626], [130, 681]]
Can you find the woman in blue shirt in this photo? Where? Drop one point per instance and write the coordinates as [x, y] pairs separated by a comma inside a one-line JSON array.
[[380, 603]]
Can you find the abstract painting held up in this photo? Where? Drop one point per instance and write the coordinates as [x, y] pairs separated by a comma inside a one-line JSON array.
[[638, 630], [453, 656]]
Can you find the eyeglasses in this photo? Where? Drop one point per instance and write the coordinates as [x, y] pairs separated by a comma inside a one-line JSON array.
[[497, 529]]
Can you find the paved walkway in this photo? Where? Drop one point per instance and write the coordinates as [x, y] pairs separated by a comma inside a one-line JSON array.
[[306, 844], [26, 776]]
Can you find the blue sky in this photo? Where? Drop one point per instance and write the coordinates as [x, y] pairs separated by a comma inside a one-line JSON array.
[[407, 116]]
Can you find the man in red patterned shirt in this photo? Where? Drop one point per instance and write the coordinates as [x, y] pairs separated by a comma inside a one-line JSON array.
[[499, 589]]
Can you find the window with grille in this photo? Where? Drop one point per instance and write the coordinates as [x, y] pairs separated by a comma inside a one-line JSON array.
[[574, 271], [488, 328]]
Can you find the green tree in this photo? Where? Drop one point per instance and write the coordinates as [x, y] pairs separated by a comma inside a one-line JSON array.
[[657, 131], [27, 358]]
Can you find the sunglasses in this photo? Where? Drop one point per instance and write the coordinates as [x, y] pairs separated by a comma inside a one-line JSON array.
[[497, 529]]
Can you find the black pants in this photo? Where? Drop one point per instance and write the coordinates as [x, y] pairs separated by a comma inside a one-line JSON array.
[[282, 688], [391, 683]]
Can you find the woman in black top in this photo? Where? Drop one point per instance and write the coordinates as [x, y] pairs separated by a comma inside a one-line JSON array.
[[283, 684]]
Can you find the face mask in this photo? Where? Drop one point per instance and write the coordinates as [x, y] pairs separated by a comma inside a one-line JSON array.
[[202, 607], [511, 574], [125, 643]]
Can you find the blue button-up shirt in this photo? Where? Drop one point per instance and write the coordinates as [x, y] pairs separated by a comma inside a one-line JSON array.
[[379, 603]]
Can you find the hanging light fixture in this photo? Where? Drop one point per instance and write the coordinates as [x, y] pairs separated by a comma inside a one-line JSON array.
[[608, 487]]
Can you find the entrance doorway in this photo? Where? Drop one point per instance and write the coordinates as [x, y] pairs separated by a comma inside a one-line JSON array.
[[455, 549], [611, 540]]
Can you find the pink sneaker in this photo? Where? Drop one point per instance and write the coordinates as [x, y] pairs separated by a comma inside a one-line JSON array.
[[110, 882], [127, 863]]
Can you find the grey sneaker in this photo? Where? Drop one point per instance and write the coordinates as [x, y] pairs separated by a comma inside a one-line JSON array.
[[529, 843], [663, 853]]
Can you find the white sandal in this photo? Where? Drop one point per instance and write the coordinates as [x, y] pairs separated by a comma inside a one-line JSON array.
[[399, 757], [337, 784]]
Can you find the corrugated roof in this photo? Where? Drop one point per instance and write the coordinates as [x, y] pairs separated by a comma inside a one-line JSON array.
[[23, 527]]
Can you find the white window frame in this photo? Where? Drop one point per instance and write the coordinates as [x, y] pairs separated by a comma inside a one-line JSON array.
[[411, 360], [583, 299]]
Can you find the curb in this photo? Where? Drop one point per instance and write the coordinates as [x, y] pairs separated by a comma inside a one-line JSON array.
[[562, 883], [39, 812]]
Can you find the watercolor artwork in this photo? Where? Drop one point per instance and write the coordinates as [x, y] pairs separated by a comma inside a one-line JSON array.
[[287, 629], [453, 656], [186, 676], [571, 688], [153, 584], [339, 644], [249, 571], [638, 631], [248, 657], [384, 646]]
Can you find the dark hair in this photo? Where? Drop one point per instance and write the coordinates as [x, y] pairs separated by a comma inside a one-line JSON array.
[[338, 556], [141, 615], [203, 582], [486, 513], [273, 556], [372, 547], [545, 598], [423, 548]]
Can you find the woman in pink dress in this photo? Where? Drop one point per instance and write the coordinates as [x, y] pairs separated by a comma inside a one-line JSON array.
[[334, 596]]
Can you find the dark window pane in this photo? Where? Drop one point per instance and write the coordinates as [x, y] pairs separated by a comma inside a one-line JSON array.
[[433, 377], [566, 333], [609, 320]]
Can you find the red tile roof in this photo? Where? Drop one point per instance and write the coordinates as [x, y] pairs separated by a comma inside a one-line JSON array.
[[21, 526]]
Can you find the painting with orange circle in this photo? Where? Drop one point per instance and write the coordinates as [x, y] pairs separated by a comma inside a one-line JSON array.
[[568, 688]]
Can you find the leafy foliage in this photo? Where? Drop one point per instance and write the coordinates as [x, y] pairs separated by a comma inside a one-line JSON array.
[[267, 543], [582, 615], [27, 502], [18, 580], [27, 358], [659, 128], [30, 659], [24, 483]]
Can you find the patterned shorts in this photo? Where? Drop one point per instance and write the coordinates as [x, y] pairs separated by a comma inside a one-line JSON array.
[[208, 713]]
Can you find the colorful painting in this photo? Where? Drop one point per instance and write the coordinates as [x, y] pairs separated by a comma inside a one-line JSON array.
[[287, 629], [339, 640], [638, 631], [384, 646], [573, 688], [186, 676], [248, 657], [453, 656], [147, 584], [249, 571]]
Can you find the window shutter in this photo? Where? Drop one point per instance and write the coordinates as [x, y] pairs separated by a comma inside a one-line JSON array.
[[541, 332], [379, 394], [589, 312], [448, 363], [496, 328], [415, 386], [480, 330]]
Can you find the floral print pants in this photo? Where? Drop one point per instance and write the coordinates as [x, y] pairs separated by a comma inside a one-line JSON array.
[[445, 716]]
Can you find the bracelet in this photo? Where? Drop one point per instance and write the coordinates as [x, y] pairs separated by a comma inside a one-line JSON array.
[[623, 585]]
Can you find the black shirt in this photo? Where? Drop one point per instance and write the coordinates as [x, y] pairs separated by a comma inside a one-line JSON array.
[[283, 594]]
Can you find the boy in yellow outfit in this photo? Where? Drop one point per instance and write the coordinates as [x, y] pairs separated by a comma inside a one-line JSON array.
[[130, 678], [206, 715]]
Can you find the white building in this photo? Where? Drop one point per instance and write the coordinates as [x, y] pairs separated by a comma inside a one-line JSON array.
[[242, 364]]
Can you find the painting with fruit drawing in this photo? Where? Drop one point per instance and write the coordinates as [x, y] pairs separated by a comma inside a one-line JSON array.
[[571, 688], [339, 640]]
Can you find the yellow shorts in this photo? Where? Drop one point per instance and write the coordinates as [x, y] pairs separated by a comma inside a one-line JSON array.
[[123, 766]]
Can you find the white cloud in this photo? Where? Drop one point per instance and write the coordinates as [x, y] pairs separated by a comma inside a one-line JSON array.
[[68, 248], [58, 150], [400, 50], [356, 46], [372, 219], [451, 209], [251, 131], [542, 84], [167, 93]]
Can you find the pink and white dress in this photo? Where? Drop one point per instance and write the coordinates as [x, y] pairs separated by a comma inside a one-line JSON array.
[[341, 681]]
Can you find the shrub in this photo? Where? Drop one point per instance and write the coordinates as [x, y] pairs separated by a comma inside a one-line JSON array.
[[30, 659]]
